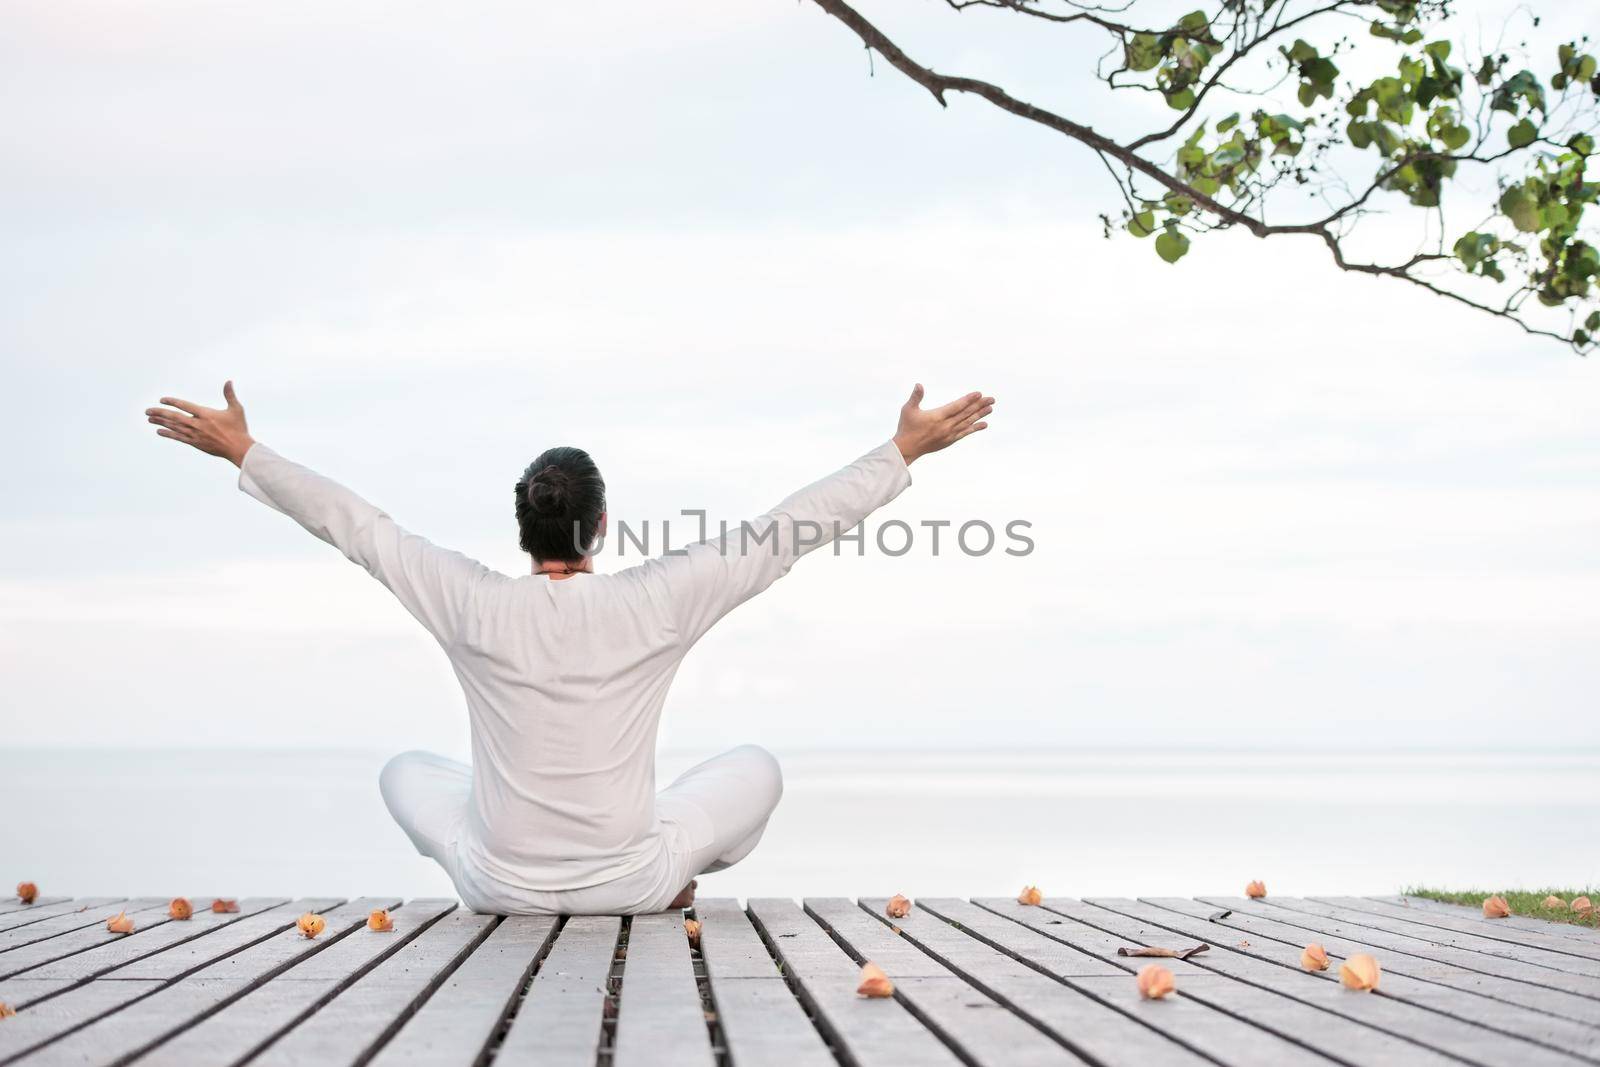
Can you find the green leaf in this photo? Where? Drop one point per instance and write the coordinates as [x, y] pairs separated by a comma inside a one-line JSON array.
[[1228, 123], [1143, 52], [1455, 136], [1182, 100], [1171, 245], [1521, 208], [1522, 134], [1582, 143], [1143, 224]]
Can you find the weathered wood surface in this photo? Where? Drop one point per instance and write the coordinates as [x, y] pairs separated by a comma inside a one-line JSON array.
[[980, 982], [660, 1020], [559, 1022], [1419, 906]]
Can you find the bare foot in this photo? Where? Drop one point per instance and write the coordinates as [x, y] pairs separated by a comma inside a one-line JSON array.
[[684, 899]]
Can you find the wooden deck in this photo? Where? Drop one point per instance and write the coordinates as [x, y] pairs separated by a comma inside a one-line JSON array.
[[986, 981]]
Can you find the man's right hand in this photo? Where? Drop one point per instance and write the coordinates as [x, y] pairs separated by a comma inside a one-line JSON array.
[[214, 431], [927, 431]]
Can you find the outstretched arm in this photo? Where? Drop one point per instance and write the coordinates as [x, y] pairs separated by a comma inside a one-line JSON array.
[[433, 583], [711, 578]]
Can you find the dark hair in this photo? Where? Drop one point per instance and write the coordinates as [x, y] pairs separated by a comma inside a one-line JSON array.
[[560, 499]]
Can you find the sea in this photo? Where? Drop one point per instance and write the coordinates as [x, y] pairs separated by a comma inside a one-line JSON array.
[[310, 822]]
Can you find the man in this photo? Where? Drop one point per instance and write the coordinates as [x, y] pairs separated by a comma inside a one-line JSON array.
[[565, 671]]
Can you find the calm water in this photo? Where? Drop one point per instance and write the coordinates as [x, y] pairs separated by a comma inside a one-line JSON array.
[[304, 822]]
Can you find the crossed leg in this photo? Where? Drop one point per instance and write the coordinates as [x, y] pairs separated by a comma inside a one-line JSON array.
[[721, 805], [724, 804]]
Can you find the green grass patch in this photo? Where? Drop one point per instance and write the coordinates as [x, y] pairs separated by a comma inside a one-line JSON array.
[[1529, 902]]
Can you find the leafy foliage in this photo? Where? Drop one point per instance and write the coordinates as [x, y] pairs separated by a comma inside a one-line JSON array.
[[1348, 109]]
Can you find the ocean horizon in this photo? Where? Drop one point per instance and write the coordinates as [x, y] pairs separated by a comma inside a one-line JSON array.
[[292, 822]]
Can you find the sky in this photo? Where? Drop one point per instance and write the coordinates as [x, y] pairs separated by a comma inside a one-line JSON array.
[[1273, 505]]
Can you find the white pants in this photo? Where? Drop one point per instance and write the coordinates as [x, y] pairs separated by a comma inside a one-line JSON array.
[[733, 795]]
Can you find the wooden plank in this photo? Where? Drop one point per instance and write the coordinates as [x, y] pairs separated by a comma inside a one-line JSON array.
[[49, 1019], [558, 1022], [1550, 964], [1528, 1011], [1587, 934], [455, 1025], [1499, 930], [361, 1017], [1307, 1017], [870, 1031], [1535, 977], [154, 933], [660, 1019], [14, 904], [180, 996], [223, 940], [1382, 1013], [47, 926], [20, 992], [146, 911], [308, 978], [27, 915], [984, 1027], [1115, 1035], [1208, 1014], [763, 1023], [1469, 1008]]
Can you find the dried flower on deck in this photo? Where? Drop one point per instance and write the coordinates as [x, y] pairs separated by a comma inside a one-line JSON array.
[[1314, 958], [180, 908], [1155, 981], [1255, 890], [27, 892], [898, 907], [1554, 903], [6, 1010], [1495, 907], [1359, 972], [1582, 905], [691, 929], [223, 907], [311, 924], [1165, 953], [120, 923], [874, 983], [1030, 895], [379, 922]]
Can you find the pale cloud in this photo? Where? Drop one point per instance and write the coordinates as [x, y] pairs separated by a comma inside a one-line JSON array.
[[1273, 504]]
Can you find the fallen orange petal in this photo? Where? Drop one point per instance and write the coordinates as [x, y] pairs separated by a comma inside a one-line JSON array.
[[223, 906], [27, 892], [1030, 895], [379, 922], [1582, 905], [6, 1010], [180, 908], [1496, 908], [898, 907], [1155, 981], [311, 924], [1314, 958], [1554, 903], [1255, 890], [874, 983], [691, 929], [1359, 972], [120, 923]]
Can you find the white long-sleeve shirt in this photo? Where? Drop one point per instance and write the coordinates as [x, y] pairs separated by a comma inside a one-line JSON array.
[[565, 680]]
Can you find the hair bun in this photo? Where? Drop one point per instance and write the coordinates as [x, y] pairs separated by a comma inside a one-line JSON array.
[[549, 491]]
